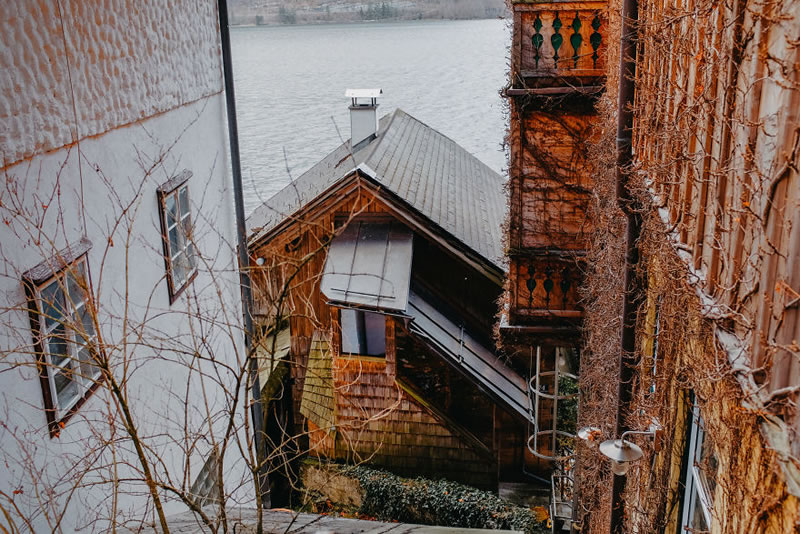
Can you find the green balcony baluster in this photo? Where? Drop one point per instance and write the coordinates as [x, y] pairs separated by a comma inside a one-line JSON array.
[[537, 40], [576, 39], [595, 39], [556, 39]]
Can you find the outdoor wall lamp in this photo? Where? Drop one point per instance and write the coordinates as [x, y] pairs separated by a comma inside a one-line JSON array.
[[623, 452]]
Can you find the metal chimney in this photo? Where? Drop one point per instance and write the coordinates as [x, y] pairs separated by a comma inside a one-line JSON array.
[[363, 115]]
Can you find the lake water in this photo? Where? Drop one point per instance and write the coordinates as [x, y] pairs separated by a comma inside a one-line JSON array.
[[290, 84]]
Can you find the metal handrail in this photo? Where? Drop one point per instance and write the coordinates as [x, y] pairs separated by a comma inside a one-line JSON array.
[[535, 394]]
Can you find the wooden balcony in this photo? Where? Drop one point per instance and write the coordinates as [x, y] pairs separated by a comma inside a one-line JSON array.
[[546, 290], [559, 44]]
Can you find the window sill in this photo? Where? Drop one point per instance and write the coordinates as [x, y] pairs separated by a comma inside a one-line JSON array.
[[359, 357]]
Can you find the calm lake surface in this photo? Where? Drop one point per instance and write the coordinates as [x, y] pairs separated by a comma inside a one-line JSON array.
[[290, 83]]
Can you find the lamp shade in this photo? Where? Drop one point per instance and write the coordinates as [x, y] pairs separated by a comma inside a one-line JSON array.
[[621, 453], [590, 434]]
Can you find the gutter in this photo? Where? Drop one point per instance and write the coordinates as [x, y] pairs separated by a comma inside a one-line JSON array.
[[628, 360], [257, 412]]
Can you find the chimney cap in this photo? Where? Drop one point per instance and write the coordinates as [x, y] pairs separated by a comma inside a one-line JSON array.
[[363, 93]]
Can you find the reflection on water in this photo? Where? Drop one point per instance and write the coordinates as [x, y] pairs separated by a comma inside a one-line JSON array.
[[290, 84]]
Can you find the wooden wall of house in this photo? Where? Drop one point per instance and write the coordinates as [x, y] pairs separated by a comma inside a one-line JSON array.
[[748, 489], [375, 419], [717, 136], [460, 400], [294, 259], [380, 422], [719, 139], [550, 189], [290, 276]]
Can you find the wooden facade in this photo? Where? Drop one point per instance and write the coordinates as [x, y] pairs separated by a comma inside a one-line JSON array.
[[716, 158], [383, 410], [557, 71], [558, 62]]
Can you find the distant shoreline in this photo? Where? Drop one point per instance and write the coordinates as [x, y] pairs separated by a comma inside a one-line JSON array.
[[272, 24]]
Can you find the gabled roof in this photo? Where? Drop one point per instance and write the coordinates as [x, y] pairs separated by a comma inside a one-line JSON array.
[[429, 171]]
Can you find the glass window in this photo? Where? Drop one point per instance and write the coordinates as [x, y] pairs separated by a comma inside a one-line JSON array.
[[363, 333], [179, 250], [64, 330], [700, 478]]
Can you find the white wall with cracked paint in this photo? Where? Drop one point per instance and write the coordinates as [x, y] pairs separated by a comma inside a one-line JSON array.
[[101, 102]]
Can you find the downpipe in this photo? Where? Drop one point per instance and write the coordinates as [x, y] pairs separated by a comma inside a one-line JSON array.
[[627, 357], [257, 411]]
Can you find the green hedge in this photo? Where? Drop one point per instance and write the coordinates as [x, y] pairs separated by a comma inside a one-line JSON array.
[[439, 502]]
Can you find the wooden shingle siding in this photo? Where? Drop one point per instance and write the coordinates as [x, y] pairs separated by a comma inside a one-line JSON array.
[[318, 403], [377, 420]]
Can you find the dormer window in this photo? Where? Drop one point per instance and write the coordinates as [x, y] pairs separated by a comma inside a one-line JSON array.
[[176, 225]]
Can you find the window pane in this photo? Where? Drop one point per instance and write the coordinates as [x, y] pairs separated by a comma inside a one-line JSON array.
[[697, 519], [352, 331], [76, 286], [186, 263], [85, 317], [89, 370], [187, 229], [375, 326], [172, 209], [52, 305], [178, 270], [57, 346], [66, 388], [190, 255], [184, 205], [707, 466], [174, 241]]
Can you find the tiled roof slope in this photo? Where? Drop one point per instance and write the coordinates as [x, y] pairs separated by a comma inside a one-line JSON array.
[[428, 170]]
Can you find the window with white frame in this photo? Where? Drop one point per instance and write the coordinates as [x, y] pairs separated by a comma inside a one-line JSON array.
[[363, 332], [63, 325], [701, 470], [176, 225]]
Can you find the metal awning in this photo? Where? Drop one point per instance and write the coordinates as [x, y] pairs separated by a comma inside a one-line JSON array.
[[369, 265]]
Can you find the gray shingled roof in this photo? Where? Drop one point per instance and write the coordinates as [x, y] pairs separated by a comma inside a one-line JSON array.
[[428, 170]]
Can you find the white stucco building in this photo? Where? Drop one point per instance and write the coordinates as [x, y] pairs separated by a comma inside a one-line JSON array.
[[119, 297]]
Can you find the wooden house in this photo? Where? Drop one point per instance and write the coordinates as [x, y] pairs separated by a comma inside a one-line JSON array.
[[382, 265]]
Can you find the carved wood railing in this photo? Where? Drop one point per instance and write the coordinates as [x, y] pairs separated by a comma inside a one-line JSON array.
[[545, 288], [561, 39]]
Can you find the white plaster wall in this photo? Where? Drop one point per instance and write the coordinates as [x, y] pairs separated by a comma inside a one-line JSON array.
[[146, 80], [169, 397], [77, 68]]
